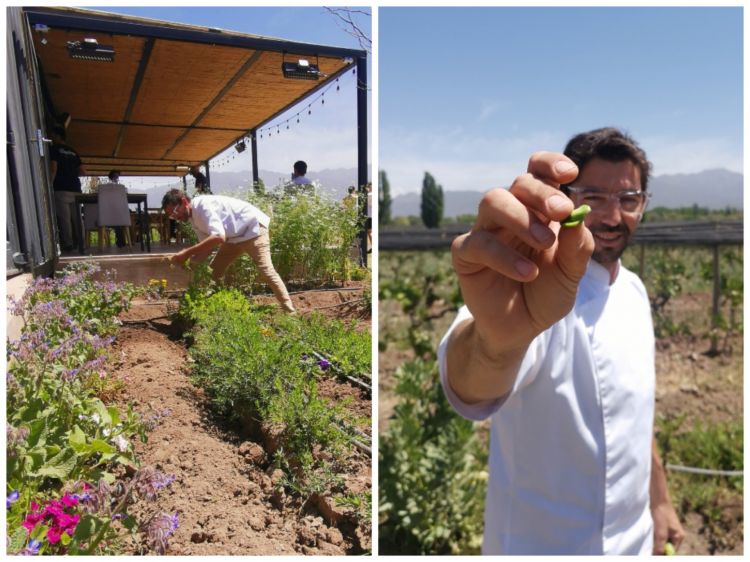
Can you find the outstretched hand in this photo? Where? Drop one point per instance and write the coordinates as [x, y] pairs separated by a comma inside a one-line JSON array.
[[178, 259], [518, 270]]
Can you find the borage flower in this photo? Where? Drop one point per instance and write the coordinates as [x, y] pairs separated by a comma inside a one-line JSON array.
[[31, 549], [159, 529], [12, 498]]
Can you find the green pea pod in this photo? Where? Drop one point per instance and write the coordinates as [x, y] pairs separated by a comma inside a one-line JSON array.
[[576, 217]]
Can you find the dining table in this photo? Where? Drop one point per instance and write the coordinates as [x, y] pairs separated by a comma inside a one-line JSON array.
[[138, 199]]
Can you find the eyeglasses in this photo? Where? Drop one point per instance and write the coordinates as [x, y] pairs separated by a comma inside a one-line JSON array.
[[173, 213], [631, 201]]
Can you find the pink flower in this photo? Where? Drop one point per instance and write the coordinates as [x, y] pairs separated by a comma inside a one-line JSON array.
[[68, 522], [31, 521], [69, 501], [53, 535], [53, 509]]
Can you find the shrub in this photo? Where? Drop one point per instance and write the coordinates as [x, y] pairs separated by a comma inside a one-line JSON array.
[[255, 363], [432, 471], [311, 236]]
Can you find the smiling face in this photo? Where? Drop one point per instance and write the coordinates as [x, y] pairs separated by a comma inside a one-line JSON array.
[[611, 226]]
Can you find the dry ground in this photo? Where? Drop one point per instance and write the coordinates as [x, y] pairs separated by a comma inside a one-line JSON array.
[[225, 491]]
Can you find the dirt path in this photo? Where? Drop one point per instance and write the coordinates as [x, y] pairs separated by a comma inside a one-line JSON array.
[[226, 503]]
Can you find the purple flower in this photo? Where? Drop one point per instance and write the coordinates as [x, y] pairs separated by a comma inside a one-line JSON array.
[[148, 481], [32, 549], [159, 529], [12, 498], [153, 420], [323, 364]]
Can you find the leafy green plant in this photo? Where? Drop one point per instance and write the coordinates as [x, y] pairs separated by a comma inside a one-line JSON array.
[[731, 291], [256, 363], [432, 471], [666, 283], [419, 281], [311, 237], [707, 446], [61, 436]]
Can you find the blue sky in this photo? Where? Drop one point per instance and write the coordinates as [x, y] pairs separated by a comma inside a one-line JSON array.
[[325, 139], [469, 93]]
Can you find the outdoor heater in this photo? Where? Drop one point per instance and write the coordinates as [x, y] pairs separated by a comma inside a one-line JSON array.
[[300, 70], [90, 49]]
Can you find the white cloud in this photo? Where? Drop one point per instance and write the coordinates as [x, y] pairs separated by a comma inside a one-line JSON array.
[[488, 109], [687, 156], [458, 160]]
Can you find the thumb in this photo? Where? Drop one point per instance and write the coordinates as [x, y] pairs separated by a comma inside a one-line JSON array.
[[575, 246]]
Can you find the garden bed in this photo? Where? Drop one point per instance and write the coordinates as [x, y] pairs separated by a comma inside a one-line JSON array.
[[230, 497]]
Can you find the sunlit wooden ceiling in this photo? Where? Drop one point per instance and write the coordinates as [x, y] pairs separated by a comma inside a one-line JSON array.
[[175, 95]]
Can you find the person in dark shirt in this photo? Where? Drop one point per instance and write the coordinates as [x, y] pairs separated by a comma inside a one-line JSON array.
[[201, 184], [65, 170]]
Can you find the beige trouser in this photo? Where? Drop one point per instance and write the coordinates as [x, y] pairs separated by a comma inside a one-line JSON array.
[[259, 249]]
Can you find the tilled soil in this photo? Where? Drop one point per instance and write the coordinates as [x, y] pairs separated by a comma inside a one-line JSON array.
[[225, 492], [689, 382]]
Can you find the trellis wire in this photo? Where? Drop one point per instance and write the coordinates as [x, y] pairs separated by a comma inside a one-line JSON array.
[[704, 471]]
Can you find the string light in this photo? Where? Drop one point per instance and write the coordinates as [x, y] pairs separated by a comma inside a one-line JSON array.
[[268, 130]]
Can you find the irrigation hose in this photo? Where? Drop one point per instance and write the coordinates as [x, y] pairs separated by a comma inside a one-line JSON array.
[[704, 471], [339, 304], [359, 445], [344, 375]]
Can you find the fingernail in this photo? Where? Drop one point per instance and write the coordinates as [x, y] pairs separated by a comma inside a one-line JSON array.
[[562, 166], [559, 203], [540, 232], [524, 268]]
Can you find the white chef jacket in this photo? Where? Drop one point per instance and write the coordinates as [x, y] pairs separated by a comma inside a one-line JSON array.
[[232, 218], [570, 445]]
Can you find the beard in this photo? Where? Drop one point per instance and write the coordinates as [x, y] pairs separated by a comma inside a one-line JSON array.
[[608, 253]]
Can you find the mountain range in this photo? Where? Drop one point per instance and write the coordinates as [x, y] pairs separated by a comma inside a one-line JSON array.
[[333, 182], [713, 189]]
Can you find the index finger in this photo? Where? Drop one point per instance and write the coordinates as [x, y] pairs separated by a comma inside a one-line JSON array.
[[553, 168]]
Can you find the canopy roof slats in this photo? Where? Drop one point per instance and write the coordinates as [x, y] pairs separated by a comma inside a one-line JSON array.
[[174, 95]]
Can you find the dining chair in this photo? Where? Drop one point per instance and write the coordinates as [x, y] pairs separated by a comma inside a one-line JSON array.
[[113, 211], [90, 222]]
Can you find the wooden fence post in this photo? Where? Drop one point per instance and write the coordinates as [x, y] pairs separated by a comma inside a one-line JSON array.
[[715, 302]]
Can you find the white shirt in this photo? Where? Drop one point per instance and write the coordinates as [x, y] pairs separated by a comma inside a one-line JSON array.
[[232, 218], [301, 180], [570, 445]]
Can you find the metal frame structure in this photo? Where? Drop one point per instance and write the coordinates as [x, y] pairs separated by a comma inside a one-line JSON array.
[[35, 252]]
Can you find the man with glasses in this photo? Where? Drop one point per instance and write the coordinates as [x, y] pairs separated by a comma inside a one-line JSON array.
[[558, 350], [231, 225]]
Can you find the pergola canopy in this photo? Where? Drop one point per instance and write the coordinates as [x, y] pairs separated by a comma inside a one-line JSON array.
[[175, 95]]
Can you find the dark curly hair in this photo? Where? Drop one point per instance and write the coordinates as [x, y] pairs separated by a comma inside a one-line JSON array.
[[608, 144], [173, 197]]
